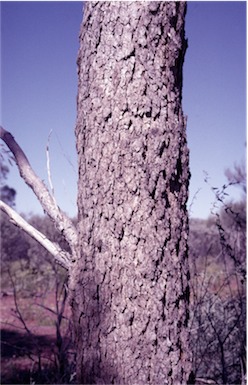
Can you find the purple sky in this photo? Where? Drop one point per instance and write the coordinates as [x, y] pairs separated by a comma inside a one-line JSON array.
[[39, 88]]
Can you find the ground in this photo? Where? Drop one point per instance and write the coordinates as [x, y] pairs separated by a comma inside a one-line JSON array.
[[28, 358]]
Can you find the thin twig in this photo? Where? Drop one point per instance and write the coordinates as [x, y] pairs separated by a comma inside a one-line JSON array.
[[61, 220], [205, 380], [48, 165], [19, 314]]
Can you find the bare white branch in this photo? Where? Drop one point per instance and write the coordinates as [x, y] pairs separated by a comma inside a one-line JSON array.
[[61, 220], [206, 381], [61, 256], [48, 165]]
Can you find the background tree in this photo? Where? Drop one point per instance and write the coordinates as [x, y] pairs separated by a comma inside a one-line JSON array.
[[34, 288], [7, 194], [217, 249], [128, 263]]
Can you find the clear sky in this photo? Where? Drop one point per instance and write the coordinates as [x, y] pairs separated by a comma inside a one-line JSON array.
[[39, 87]]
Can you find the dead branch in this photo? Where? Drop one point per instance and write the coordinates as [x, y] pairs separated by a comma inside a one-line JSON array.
[[205, 381], [60, 219], [18, 312], [61, 256], [48, 166], [54, 312]]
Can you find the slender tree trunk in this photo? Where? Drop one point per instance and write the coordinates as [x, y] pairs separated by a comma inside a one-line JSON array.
[[130, 283]]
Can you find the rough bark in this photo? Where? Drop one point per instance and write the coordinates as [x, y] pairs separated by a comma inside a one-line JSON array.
[[130, 283]]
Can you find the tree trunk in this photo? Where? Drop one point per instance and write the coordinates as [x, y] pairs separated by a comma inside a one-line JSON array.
[[130, 283]]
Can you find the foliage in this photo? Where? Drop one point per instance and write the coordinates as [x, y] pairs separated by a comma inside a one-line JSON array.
[[237, 176], [217, 249], [7, 194], [14, 244], [38, 288]]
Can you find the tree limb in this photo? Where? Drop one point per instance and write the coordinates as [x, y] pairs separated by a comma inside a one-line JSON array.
[[205, 380], [62, 222], [61, 256]]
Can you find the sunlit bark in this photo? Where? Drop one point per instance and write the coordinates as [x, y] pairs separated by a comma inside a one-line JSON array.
[[131, 281]]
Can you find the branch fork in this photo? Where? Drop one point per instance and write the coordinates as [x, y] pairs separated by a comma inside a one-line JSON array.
[[62, 222]]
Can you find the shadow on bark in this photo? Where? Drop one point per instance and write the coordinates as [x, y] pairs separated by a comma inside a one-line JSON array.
[[91, 317]]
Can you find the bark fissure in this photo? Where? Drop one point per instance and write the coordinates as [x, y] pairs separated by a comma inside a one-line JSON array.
[[133, 186]]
